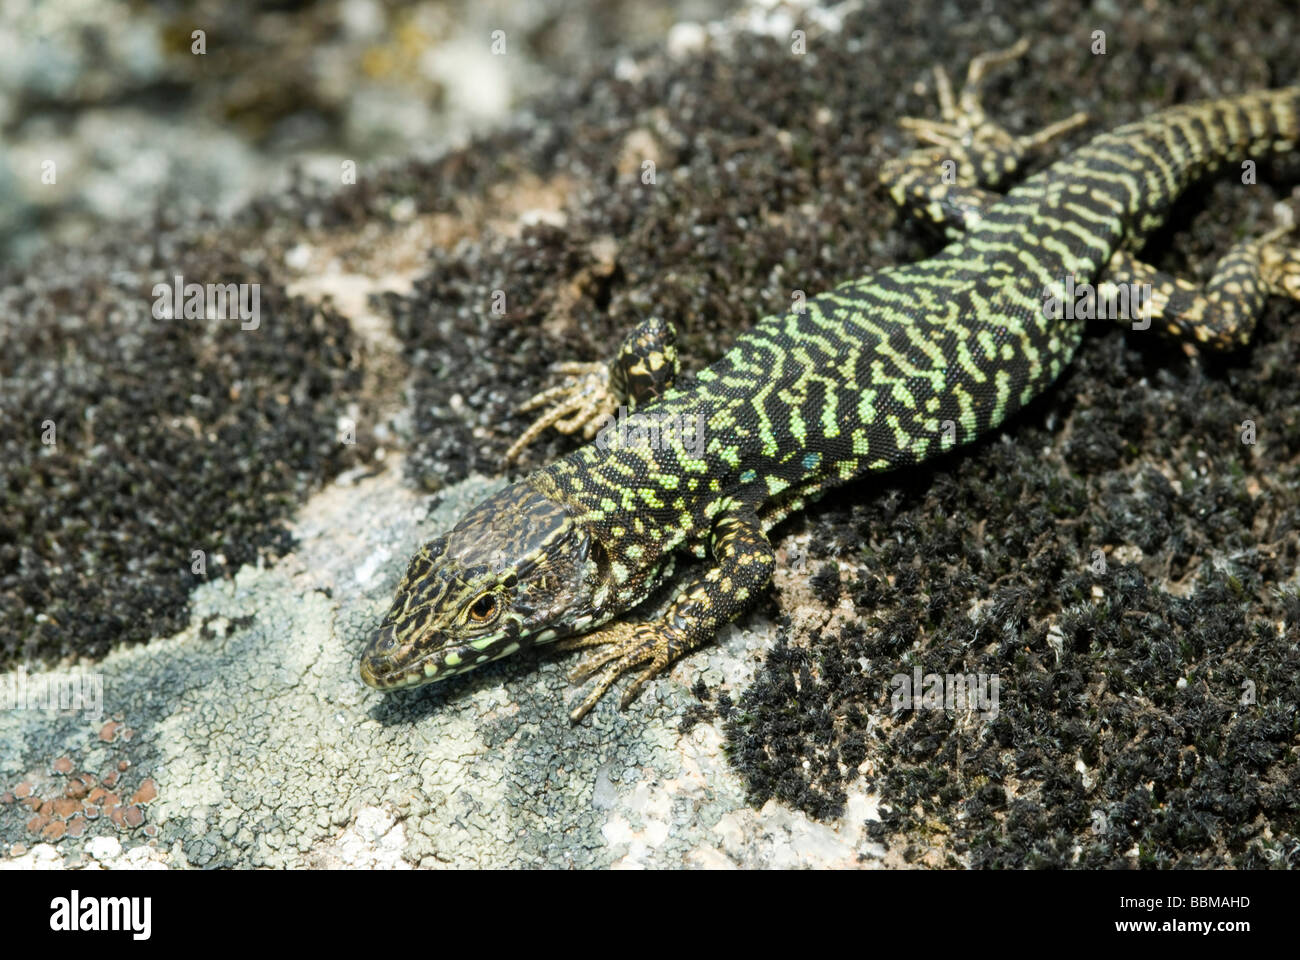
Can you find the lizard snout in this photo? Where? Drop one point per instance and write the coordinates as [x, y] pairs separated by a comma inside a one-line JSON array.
[[377, 658]]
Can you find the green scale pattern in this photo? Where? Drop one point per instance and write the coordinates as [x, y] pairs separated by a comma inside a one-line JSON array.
[[864, 377]]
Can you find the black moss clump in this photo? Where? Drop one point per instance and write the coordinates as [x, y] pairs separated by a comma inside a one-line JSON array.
[[825, 584], [170, 437], [792, 751]]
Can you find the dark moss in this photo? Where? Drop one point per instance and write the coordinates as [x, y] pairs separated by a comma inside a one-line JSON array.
[[171, 436]]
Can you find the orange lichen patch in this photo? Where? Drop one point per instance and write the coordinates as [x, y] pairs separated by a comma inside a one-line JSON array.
[[66, 807], [108, 731], [151, 830]]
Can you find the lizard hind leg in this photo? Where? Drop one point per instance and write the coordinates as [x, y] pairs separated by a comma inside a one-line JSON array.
[[1280, 267], [646, 365], [1220, 315], [966, 155]]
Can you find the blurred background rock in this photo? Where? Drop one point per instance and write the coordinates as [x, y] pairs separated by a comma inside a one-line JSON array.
[[110, 91]]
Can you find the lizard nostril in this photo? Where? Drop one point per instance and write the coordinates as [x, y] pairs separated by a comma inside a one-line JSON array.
[[376, 660]]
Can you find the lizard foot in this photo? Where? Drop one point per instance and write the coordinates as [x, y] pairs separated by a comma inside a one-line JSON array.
[[964, 125], [579, 403], [629, 646]]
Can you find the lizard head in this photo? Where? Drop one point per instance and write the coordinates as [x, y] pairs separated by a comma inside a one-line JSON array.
[[505, 577]]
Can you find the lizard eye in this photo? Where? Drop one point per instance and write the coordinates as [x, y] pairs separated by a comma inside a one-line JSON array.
[[484, 608]]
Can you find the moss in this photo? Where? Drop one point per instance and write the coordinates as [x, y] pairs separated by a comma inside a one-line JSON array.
[[171, 437]]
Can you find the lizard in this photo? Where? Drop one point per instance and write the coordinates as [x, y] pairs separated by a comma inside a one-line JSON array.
[[879, 373]]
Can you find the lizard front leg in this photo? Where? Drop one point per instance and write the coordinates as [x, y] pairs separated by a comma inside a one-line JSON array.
[[743, 561], [646, 365]]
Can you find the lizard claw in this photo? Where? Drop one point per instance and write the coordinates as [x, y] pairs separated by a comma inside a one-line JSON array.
[[578, 403], [963, 121], [629, 646]]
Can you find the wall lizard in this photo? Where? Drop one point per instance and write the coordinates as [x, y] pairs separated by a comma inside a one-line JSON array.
[[881, 372]]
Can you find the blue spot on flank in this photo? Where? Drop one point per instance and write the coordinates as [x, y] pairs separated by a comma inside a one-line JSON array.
[[748, 476], [810, 460]]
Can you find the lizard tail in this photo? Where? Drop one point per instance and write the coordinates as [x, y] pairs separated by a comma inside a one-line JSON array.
[[1141, 168]]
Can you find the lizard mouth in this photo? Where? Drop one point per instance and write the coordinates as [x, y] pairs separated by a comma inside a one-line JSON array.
[[388, 665], [382, 675]]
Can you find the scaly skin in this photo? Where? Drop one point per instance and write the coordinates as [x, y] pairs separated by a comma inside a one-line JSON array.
[[879, 373]]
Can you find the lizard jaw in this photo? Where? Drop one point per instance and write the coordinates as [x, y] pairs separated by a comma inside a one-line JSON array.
[[383, 665]]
